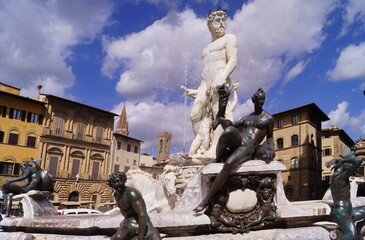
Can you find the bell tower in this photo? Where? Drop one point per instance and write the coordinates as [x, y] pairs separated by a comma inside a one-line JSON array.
[[163, 146], [122, 126]]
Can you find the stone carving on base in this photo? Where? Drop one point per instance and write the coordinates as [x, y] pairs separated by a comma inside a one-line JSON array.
[[160, 196], [244, 203], [219, 61], [350, 219], [38, 179], [136, 223]]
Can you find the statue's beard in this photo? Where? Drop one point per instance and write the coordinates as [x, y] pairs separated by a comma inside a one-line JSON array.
[[217, 29]]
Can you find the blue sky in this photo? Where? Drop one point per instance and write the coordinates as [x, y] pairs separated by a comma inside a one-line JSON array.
[[104, 53]]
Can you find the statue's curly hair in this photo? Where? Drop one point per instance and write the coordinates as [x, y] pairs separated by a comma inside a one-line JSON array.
[[121, 175], [211, 15]]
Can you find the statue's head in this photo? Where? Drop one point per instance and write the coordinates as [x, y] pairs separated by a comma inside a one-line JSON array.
[[25, 165], [259, 97], [117, 180], [217, 22]]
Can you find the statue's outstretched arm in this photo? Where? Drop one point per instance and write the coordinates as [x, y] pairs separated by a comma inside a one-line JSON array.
[[190, 92], [25, 175]]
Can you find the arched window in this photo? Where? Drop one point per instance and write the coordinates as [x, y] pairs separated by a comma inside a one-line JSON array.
[[74, 196], [294, 140], [13, 138], [31, 139], [280, 143], [294, 163], [289, 193]]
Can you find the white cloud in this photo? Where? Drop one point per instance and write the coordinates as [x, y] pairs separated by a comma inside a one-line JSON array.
[[355, 12], [271, 36], [148, 118], [341, 118], [295, 71], [159, 56], [36, 37], [350, 64]]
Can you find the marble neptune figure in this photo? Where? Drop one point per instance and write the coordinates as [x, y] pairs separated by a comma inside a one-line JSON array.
[[219, 61]]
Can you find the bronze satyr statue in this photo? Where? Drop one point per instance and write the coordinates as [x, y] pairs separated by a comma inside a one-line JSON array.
[[343, 213], [38, 179], [136, 223], [235, 147]]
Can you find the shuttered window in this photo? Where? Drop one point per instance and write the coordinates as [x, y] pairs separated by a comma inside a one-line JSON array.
[[31, 141], [53, 162], [99, 135], [13, 138], [1, 136], [75, 168], [17, 114], [2, 111], [58, 126], [95, 171], [80, 128]]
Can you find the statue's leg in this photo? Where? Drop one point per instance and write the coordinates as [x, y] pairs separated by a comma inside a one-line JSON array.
[[358, 214], [195, 145], [124, 233], [229, 141], [241, 154], [345, 222]]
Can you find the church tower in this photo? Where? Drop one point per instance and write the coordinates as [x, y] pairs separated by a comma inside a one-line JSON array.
[[163, 146], [122, 126]]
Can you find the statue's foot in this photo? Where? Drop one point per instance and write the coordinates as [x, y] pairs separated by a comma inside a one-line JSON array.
[[201, 207]]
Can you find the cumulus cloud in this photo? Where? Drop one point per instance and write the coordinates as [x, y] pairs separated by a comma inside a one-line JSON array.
[[166, 54], [271, 38], [175, 42], [36, 39], [149, 118], [295, 71], [341, 118], [355, 11], [350, 64]]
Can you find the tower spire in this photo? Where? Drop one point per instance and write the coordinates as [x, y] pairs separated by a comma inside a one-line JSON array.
[[122, 126]]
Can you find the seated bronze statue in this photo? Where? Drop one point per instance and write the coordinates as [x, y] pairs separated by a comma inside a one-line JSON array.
[[236, 147], [38, 179], [136, 223], [343, 213]]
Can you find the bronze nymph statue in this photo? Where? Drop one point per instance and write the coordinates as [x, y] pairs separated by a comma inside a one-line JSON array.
[[235, 146], [38, 179], [343, 213]]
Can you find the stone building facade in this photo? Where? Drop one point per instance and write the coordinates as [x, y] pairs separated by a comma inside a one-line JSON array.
[[125, 149], [335, 144], [20, 126], [125, 152], [75, 143], [297, 135]]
